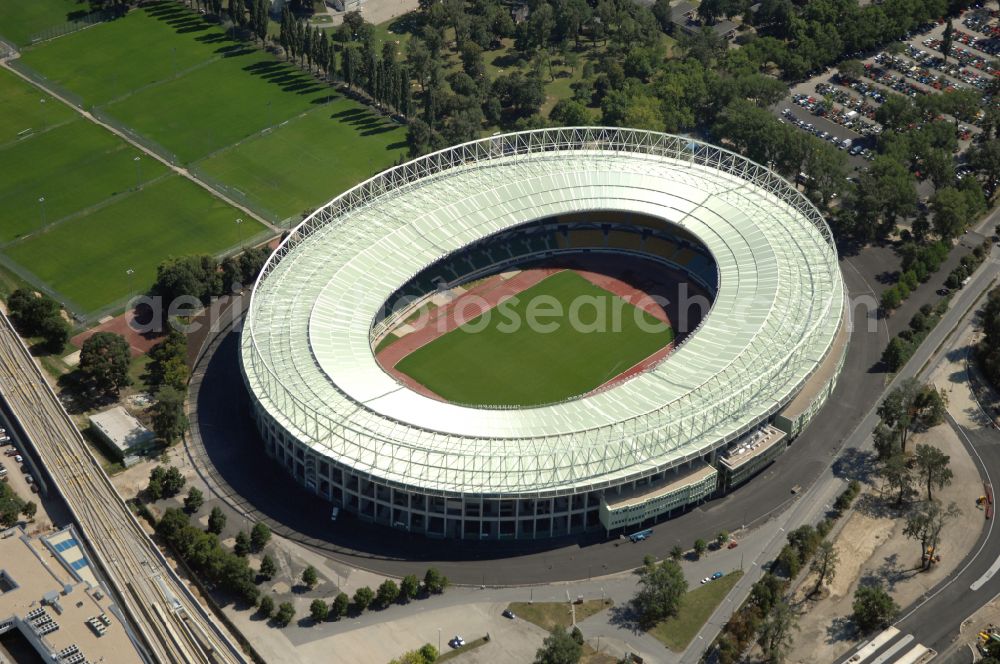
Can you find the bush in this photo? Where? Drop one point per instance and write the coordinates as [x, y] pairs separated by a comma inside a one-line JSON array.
[[286, 612], [434, 581], [318, 610], [363, 598], [266, 607], [260, 535], [387, 593], [338, 609], [408, 588], [310, 577]]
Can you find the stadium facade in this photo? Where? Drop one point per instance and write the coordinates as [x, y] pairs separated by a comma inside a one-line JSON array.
[[722, 405]]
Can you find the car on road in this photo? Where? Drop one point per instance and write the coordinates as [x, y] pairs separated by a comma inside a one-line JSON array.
[[456, 641], [717, 575], [507, 613]]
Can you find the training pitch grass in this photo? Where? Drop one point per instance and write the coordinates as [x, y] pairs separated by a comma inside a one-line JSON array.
[[323, 153], [115, 58], [528, 367], [85, 259], [21, 19]]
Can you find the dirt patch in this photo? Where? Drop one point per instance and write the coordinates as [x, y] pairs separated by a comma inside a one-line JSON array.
[[139, 342]]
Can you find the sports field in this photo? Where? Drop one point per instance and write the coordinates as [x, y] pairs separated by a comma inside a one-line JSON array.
[[94, 224], [73, 166], [491, 361], [85, 258], [21, 19], [115, 58], [332, 147], [219, 103]]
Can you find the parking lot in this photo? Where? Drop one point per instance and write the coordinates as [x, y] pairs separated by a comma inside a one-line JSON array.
[[19, 477], [841, 108]]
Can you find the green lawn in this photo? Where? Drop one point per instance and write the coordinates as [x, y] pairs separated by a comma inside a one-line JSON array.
[[516, 365], [305, 163], [73, 166], [85, 259], [23, 112], [696, 608], [146, 46], [21, 19]]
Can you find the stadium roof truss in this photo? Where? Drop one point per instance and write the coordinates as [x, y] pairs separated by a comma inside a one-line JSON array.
[[306, 351]]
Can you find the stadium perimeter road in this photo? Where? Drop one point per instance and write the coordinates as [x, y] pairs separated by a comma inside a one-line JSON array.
[[227, 452]]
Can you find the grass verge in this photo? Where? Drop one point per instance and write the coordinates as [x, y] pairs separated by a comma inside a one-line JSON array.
[[550, 614], [696, 607], [470, 645]]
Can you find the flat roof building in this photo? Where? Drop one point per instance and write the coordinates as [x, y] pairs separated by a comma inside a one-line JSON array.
[[121, 430], [60, 612]]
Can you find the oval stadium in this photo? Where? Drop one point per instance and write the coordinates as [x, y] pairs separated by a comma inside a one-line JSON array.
[[544, 334]]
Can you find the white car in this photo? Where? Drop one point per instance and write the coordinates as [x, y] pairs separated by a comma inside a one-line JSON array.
[[706, 579], [18, 458]]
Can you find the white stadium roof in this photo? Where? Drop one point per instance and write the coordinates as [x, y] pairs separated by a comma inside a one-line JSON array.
[[306, 349]]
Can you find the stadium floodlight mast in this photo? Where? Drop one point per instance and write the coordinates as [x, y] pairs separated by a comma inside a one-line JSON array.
[[45, 124], [41, 201], [239, 227]]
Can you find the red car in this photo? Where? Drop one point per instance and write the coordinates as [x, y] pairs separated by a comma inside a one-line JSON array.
[[733, 544]]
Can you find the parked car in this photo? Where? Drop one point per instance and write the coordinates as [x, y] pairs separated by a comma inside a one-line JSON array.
[[717, 575], [733, 544], [456, 641], [507, 613], [18, 458], [706, 579]]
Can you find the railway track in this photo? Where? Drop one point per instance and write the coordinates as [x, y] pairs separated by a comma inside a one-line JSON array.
[[169, 622]]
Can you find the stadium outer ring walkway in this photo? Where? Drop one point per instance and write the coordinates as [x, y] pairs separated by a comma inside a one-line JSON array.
[[350, 433]]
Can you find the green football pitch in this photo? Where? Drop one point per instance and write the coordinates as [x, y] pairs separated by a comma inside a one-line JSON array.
[[85, 258], [93, 224], [491, 362], [20, 20]]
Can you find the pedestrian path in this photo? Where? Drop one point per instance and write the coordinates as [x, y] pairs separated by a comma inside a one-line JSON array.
[[890, 647]]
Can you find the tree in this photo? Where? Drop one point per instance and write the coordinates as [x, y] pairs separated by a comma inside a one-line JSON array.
[[570, 114], [55, 333], [898, 476], [925, 523], [340, 605], [873, 608], [363, 597], [677, 552], [29, 510], [824, 564], [268, 568], [932, 467], [266, 607], [661, 588], [196, 277], [154, 489], [318, 610], [104, 361], [722, 538], [775, 634], [434, 581], [286, 612], [194, 500], [242, 546], [951, 212], [700, 547], [310, 577], [388, 592], [169, 420], [173, 481], [409, 587], [559, 648], [260, 535], [216, 521], [946, 39]]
